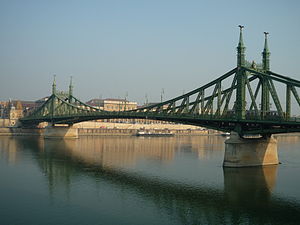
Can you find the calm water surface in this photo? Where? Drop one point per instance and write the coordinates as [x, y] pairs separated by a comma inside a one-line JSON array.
[[131, 180]]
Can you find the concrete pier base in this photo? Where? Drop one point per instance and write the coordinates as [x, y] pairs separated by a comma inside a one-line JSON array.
[[60, 132], [245, 152]]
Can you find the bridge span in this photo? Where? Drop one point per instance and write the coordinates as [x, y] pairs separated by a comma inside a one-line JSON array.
[[250, 99]]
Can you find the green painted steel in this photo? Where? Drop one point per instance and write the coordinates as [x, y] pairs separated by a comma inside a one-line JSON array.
[[288, 102], [70, 91], [241, 61], [266, 54], [240, 101], [54, 86], [240, 109]]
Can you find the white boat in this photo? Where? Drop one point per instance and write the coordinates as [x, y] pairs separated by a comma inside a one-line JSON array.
[[227, 134], [153, 134]]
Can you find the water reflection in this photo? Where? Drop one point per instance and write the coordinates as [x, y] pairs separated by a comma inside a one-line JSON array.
[[124, 151], [251, 186], [246, 198], [8, 149], [290, 139], [119, 152]]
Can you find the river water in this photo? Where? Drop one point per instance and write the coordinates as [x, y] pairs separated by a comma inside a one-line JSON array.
[[135, 180]]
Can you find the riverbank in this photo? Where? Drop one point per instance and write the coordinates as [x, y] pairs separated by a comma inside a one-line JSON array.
[[13, 131], [102, 131], [131, 132]]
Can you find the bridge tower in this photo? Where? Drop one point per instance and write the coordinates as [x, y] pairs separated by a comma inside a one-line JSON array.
[[52, 109], [266, 54], [240, 151], [240, 104], [70, 90], [265, 95], [241, 49], [53, 131], [54, 85]]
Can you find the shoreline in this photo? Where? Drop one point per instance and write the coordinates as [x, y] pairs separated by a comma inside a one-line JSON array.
[[14, 131]]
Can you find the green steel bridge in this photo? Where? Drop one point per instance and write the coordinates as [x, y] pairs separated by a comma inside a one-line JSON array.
[[249, 99]]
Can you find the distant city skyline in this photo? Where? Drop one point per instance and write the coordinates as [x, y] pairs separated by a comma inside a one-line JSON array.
[[135, 49]]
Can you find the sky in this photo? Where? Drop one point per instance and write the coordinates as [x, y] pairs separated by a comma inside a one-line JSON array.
[[135, 48]]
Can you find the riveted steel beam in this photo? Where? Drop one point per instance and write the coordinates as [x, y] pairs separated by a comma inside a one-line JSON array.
[[288, 102]]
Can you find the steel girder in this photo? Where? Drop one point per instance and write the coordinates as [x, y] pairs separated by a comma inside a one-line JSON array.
[[228, 103]]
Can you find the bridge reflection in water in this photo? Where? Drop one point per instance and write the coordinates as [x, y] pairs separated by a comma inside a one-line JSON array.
[[246, 198]]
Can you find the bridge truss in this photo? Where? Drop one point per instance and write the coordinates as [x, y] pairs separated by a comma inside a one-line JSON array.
[[249, 99]]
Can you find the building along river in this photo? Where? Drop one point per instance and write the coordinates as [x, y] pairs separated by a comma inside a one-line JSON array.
[[138, 180]]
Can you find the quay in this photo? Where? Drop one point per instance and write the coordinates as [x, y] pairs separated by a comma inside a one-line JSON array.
[[102, 132]]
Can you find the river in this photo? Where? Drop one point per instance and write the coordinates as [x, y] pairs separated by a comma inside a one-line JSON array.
[[138, 180]]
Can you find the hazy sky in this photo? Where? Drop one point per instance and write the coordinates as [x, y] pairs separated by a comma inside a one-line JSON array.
[[137, 47]]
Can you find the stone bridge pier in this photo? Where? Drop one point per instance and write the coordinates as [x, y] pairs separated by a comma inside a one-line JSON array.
[[246, 152], [53, 131]]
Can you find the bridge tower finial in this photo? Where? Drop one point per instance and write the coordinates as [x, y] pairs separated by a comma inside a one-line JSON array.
[[54, 85], [266, 54], [71, 86], [241, 49], [71, 89]]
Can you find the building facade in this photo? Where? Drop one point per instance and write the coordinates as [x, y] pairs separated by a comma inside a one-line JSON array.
[[111, 104], [10, 112]]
